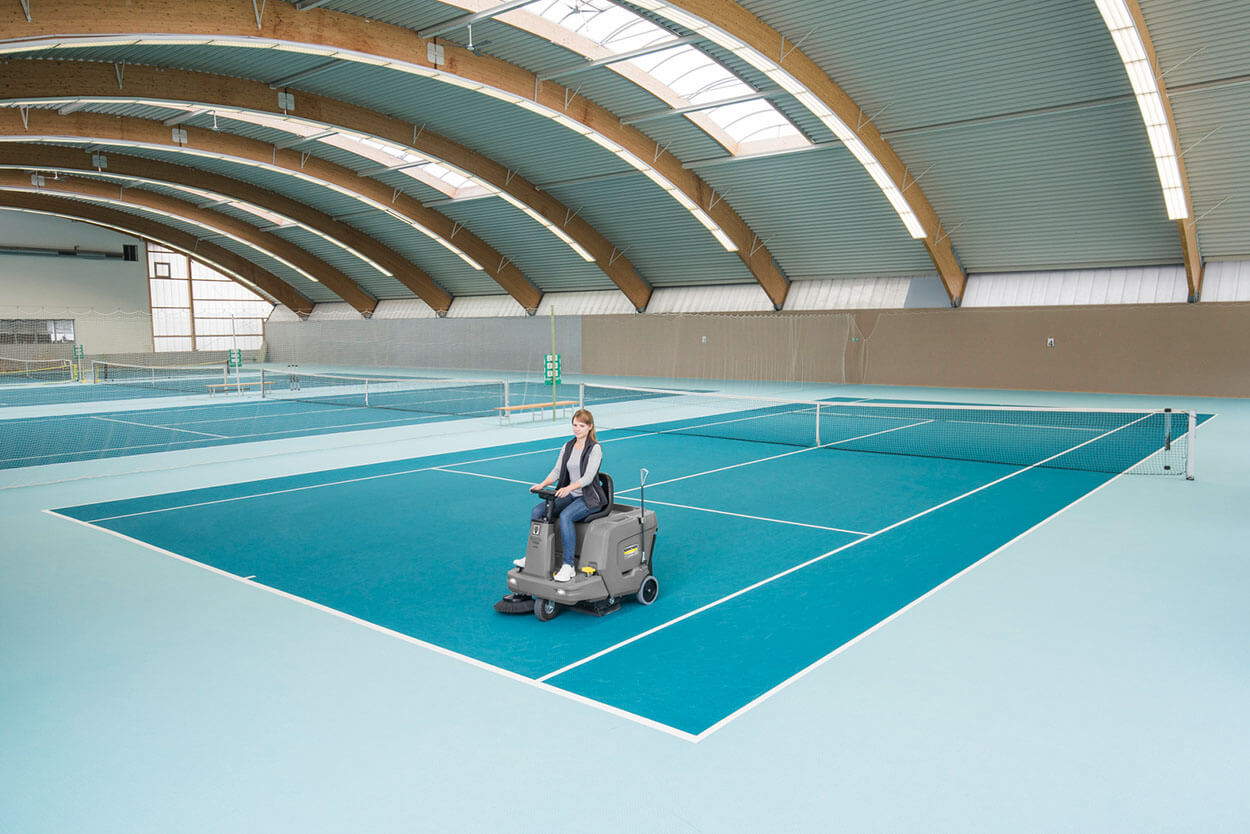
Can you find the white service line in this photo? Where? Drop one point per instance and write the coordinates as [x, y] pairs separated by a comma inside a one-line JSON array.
[[472, 661], [758, 518], [150, 426], [480, 475], [820, 558], [857, 638], [309, 486]]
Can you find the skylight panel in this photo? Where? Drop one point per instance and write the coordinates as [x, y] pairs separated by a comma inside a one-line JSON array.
[[689, 73]]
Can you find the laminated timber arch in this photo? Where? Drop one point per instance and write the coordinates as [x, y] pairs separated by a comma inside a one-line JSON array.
[[735, 20], [220, 258], [81, 127], [1187, 225], [348, 37], [149, 203], [73, 160], [73, 80]]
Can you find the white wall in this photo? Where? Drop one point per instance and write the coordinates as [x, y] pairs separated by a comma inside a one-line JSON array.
[[108, 299]]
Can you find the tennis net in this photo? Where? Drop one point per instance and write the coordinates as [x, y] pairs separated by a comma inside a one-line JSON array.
[[183, 379], [35, 370], [1108, 440], [455, 397]]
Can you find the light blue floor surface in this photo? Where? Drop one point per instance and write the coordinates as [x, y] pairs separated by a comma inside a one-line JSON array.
[[1090, 675]]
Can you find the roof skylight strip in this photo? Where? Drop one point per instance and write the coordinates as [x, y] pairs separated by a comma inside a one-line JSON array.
[[1143, 77], [413, 69], [804, 96]]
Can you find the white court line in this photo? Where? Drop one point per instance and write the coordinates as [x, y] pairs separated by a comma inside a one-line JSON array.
[[472, 661], [783, 454], [480, 475], [306, 432], [857, 638], [150, 426], [313, 486], [541, 682], [680, 506], [819, 558], [759, 518]]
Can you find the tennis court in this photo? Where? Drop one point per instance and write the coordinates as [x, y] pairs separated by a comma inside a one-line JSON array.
[[773, 553], [251, 407]]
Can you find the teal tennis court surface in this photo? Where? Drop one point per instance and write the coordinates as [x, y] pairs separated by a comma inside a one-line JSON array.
[[771, 556]]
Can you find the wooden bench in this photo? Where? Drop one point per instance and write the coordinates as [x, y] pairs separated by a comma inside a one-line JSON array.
[[214, 387], [506, 411]]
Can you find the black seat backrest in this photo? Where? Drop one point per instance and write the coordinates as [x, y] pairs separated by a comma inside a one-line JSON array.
[[605, 481]]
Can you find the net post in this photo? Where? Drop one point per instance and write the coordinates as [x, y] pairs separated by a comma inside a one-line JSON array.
[[818, 425], [1189, 445], [262, 383], [366, 392], [581, 395], [1167, 429]]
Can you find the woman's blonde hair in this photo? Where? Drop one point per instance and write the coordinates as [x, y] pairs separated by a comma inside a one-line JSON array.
[[586, 417]]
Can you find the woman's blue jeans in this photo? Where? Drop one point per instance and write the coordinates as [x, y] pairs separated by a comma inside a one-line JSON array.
[[570, 509]]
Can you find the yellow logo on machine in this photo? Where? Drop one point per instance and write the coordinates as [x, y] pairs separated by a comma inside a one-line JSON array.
[[630, 552]]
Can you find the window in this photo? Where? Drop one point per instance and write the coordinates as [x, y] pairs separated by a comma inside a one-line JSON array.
[[195, 307], [35, 331]]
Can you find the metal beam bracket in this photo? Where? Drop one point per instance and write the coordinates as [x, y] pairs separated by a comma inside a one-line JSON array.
[[915, 179], [1194, 221], [119, 69], [616, 254], [863, 121], [26, 9], [944, 234], [785, 53]]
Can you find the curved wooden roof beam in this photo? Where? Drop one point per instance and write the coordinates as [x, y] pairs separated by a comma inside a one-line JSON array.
[[146, 201], [74, 160], [769, 48], [220, 258], [1122, 20], [83, 79], [352, 38], [122, 131]]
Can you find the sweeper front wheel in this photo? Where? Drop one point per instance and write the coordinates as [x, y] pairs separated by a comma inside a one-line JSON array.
[[545, 609]]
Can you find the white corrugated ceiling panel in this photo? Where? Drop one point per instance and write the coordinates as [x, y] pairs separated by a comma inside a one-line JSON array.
[[585, 304], [403, 308], [848, 294], [1226, 281], [334, 311], [1145, 285], [485, 306], [739, 299]]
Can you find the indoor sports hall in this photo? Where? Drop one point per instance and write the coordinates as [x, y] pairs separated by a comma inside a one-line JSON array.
[[911, 338]]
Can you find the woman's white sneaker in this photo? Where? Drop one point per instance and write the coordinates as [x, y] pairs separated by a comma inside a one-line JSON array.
[[564, 574], [520, 563]]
